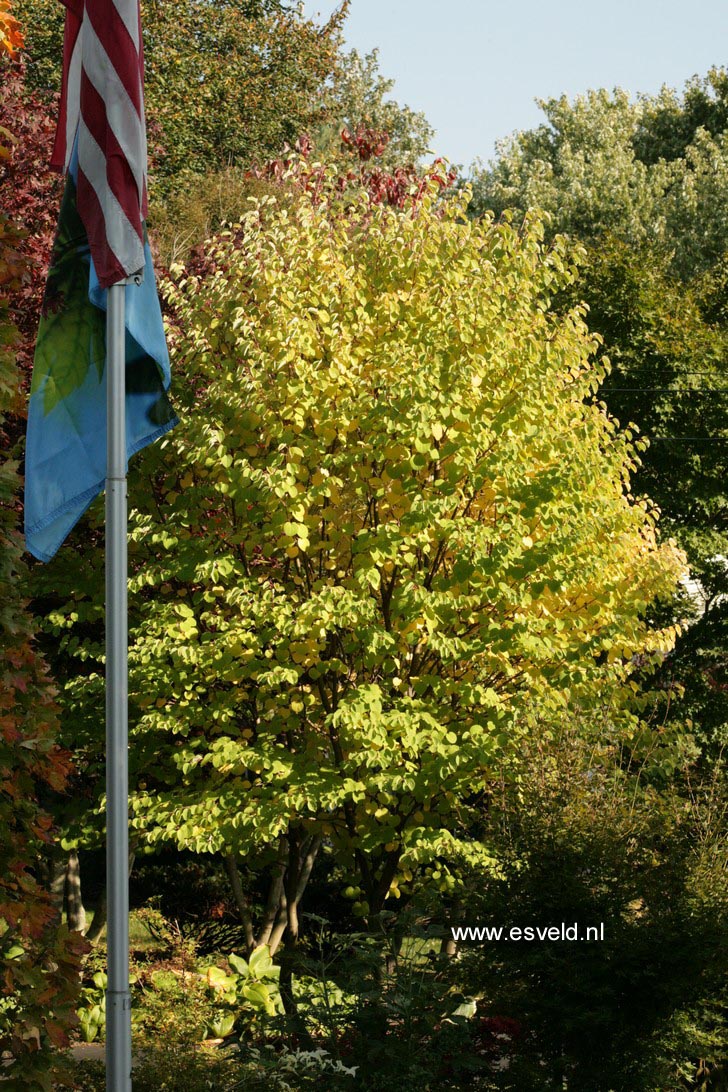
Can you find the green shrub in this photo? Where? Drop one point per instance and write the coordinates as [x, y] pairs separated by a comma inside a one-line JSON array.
[[644, 1009]]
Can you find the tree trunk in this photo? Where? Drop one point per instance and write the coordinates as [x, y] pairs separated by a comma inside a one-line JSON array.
[[301, 858], [75, 912], [241, 900], [57, 883], [449, 946], [98, 922], [289, 879]]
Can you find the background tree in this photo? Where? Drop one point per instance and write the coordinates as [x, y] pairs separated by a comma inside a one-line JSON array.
[[644, 185], [231, 86], [360, 99], [648, 171], [225, 84]]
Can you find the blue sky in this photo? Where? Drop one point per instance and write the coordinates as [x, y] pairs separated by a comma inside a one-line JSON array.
[[475, 67]]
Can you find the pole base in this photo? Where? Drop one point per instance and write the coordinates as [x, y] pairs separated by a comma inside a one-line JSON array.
[[118, 1041]]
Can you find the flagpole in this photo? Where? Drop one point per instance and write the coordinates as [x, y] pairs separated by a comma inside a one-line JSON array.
[[118, 997]]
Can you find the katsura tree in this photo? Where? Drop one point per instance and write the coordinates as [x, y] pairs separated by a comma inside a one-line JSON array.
[[392, 537]]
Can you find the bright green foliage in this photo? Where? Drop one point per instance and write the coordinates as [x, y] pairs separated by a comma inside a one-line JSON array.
[[647, 171], [360, 97], [92, 1010], [250, 985], [391, 536], [225, 997]]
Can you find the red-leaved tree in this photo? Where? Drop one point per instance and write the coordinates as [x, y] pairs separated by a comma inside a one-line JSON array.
[[39, 958], [394, 187], [30, 196]]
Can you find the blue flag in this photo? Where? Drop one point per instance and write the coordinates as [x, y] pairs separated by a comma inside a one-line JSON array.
[[65, 455]]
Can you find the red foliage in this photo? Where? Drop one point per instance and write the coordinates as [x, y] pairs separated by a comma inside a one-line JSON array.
[[497, 1034], [396, 188], [39, 958], [30, 197], [367, 143], [400, 188]]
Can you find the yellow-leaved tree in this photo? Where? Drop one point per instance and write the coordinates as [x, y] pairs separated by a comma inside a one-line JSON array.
[[392, 536]]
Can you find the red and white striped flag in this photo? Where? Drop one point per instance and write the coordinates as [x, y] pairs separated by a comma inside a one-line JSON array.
[[100, 142], [102, 107]]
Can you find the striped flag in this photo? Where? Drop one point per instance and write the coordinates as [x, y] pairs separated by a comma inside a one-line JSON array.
[[101, 240], [102, 105]]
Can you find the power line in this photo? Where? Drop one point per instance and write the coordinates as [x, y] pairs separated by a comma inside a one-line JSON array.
[[662, 390], [616, 370]]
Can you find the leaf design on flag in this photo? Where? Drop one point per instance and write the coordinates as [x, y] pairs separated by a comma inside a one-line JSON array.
[[142, 377], [71, 332]]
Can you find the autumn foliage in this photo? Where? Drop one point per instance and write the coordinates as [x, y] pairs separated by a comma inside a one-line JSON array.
[[30, 194], [396, 187], [39, 959], [11, 39]]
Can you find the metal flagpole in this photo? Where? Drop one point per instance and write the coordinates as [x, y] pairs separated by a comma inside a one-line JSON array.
[[118, 997]]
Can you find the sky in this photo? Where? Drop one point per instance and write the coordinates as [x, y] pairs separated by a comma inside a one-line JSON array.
[[475, 67]]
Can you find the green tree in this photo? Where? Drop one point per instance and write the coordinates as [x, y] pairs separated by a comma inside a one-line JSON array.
[[226, 83], [670, 121], [580, 166], [652, 171], [644, 185], [668, 376], [392, 537], [586, 838], [361, 98]]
